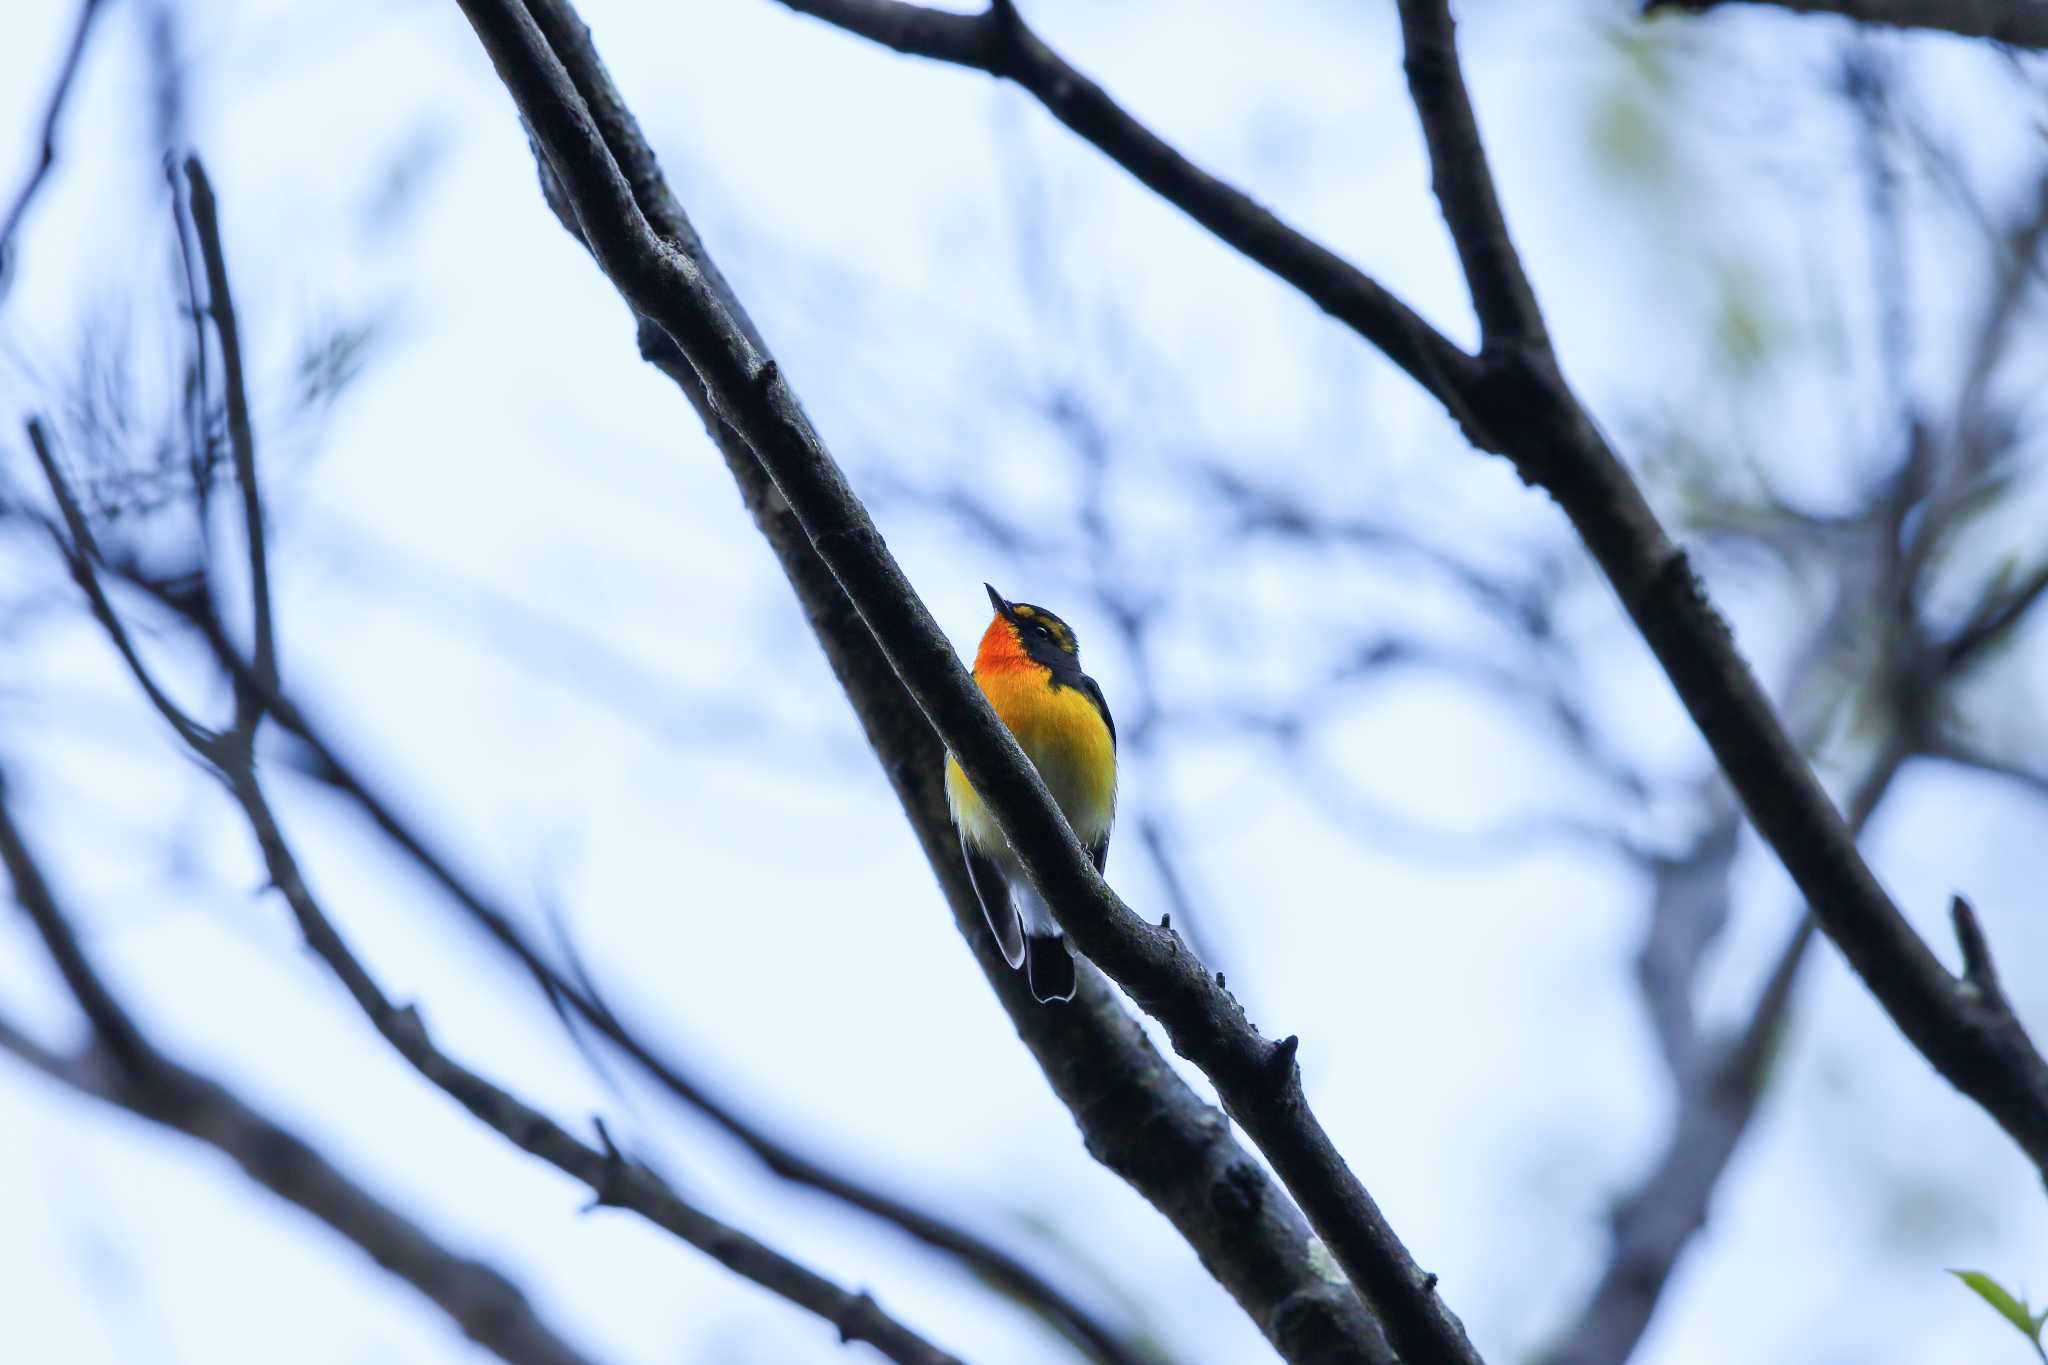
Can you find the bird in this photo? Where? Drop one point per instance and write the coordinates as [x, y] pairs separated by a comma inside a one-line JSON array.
[[1029, 667]]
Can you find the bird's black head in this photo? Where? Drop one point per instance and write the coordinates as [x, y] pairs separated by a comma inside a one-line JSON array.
[[1044, 636]]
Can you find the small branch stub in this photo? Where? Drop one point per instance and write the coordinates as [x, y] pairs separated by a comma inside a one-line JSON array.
[[1280, 1061], [605, 1193], [1979, 975]]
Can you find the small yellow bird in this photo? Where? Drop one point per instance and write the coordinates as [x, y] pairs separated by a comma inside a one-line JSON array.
[[1030, 668]]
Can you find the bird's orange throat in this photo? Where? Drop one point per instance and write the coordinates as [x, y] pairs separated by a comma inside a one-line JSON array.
[[1002, 651]]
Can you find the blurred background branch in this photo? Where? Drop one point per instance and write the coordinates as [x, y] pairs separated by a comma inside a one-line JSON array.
[[1391, 762], [46, 154], [2020, 22], [123, 1068]]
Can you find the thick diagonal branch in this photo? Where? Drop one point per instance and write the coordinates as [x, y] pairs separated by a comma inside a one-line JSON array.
[[1515, 401], [1257, 1079], [1135, 1113], [1719, 1089]]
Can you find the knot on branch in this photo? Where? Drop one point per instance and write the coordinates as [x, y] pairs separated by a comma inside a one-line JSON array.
[[406, 1027], [1238, 1194], [856, 1320]]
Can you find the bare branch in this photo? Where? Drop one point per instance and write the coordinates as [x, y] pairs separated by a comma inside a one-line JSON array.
[[1137, 1116], [67, 72], [117, 1032], [999, 42], [1516, 402], [1994, 619], [488, 1307], [1967, 754], [1719, 1086], [612, 1178], [1464, 185], [2022, 23], [241, 435], [579, 998], [1989, 1057], [201, 447], [670, 288], [1718, 1097], [1688, 910], [81, 552]]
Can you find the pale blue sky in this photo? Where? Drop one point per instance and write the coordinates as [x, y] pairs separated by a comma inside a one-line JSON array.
[[725, 848]]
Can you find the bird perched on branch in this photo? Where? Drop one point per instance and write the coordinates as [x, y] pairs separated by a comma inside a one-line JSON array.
[[1030, 668]]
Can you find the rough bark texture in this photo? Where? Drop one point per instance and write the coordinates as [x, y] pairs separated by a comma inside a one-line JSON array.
[[1135, 1114]]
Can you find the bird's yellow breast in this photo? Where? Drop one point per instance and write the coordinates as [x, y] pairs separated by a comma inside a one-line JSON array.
[[1061, 732]]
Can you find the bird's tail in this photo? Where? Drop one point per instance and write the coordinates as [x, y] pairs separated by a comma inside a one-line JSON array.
[[1049, 967]]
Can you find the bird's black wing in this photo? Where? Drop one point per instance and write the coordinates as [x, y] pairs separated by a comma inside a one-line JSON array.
[[1092, 690], [1099, 850], [992, 889]]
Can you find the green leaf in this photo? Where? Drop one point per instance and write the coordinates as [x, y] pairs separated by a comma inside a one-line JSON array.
[[2009, 1308]]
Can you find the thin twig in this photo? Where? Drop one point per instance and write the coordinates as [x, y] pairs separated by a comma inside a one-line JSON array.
[[582, 1004], [111, 1022], [81, 551], [241, 435], [1994, 619], [998, 41], [53, 110], [1501, 294], [124, 1069], [613, 1180]]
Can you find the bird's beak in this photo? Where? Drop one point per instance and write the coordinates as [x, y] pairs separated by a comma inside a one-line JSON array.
[[996, 600]]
